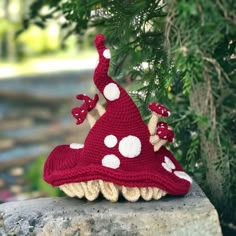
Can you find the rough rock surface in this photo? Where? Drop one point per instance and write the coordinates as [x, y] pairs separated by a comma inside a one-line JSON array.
[[192, 215]]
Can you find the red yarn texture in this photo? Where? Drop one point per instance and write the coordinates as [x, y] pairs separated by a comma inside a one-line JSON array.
[[121, 119]]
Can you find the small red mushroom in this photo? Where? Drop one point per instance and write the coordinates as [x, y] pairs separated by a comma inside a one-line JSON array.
[[162, 124], [155, 138], [157, 110], [80, 113], [165, 134], [92, 103]]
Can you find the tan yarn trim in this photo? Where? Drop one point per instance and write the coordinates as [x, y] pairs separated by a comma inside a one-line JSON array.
[[152, 124], [110, 191], [91, 120], [101, 110], [154, 139], [159, 144]]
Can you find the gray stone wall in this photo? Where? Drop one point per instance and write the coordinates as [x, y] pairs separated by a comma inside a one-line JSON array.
[[190, 215]]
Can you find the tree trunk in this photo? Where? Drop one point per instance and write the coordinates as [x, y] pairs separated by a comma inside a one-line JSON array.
[[199, 102], [8, 39]]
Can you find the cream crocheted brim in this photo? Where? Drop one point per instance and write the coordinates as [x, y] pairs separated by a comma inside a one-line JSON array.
[[110, 191]]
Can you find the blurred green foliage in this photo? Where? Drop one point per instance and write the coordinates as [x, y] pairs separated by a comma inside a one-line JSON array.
[[34, 177], [19, 40], [37, 41]]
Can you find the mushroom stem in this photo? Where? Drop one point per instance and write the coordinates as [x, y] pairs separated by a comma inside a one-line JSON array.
[[101, 110], [154, 139], [91, 120], [153, 123], [159, 144]]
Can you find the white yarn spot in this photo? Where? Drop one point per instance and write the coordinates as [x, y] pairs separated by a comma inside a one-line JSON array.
[[76, 146], [111, 92], [107, 53], [110, 141], [183, 175], [130, 146], [166, 167], [111, 161], [169, 163]]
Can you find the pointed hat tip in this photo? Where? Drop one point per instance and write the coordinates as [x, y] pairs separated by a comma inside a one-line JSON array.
[[99, 40]]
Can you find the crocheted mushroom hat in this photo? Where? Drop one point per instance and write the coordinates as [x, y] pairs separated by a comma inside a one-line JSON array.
[[121, 154]]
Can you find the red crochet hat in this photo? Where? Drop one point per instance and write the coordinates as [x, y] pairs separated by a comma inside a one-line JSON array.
[[121, 153]]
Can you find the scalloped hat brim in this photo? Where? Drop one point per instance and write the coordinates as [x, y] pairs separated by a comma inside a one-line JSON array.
[[66, 165]]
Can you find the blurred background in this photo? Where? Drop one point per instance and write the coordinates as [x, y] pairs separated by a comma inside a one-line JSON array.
[[179, 53], [39, 78]]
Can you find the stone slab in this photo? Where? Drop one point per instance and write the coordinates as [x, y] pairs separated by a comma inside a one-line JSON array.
[[190, 215]]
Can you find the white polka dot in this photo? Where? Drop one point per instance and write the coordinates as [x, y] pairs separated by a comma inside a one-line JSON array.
[[111, 161], [166, 167], [110, 141], [169, 163], [183, 175], [111, 92], [107, 53], [76, 146], [130, 146]]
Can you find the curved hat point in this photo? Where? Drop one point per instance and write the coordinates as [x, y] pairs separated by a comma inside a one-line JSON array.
[[99, 41]]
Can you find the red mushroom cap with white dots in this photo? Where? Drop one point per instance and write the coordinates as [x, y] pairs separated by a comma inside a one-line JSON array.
[[80, 113], [165, 133], [162, 124], [159, 109], [91, 103]]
